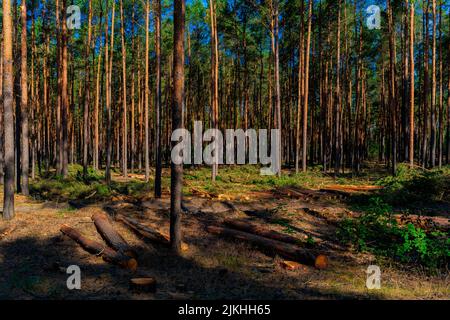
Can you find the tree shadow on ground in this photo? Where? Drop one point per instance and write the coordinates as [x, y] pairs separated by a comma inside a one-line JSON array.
[[34, 268]]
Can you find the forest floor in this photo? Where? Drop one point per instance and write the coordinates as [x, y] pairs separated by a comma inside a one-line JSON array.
[[34, 255]]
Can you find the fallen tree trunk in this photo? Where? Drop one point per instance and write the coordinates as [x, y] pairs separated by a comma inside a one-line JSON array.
[[144, 231], [253, 228], [148, 233], [360, 188], [99, 249], [285, 250], [110, 235]]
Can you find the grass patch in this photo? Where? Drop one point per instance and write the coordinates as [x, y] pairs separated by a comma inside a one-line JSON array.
[[92, 187]]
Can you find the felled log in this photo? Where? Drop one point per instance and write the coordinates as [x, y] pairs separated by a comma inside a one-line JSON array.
[[143, 284], [148, 233], [5, 232], [110, 235], [94, 247], [349, 190], [283, 249], [290, 265], [143, 230], [355, 188], [253, 228]]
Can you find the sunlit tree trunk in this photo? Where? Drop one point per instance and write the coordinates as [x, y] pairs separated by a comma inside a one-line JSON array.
[[158, 171], [87, 95], [176, 181], [214, 78], [147, 94], [8, 118], [124, 94], [305, 101], [24, 146], [433, 90], [411, 89], [109, 64]]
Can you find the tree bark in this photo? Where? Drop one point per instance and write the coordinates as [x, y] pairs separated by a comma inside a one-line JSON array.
[[158, 172], [8, 118], [99, 249], [411, 89], [285, 250], [87, 95], [124, 94], [108, 66], [147, 93], [176, 181], [305, 101], [64, 95], [110, 235], [24, 146], [253, 228]]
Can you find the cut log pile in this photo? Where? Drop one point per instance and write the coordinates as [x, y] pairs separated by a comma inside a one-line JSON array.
[[110, 235], [97, 248], [147, 232], [270, 241], [117, 251], [251, 227], [303, 194]]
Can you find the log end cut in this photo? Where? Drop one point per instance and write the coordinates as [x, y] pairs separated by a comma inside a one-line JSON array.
[[143, 284], [321, 262], [132, 264]]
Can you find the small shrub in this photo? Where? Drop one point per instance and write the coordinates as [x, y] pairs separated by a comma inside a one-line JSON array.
[[377, 231]]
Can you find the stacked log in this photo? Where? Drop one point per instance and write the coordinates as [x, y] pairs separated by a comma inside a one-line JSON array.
[[94, 247], [250, 227], [286, 250], [110, 235]]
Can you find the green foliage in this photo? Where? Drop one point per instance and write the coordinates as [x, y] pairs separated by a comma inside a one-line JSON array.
[[428, 248], [376, 230], [410, 187], [76, 187]]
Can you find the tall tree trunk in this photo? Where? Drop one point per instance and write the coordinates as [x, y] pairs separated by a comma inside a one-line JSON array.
[[392, 88], [58, 126], [87, 95], [133, 92], [8, 118], [441, 93], [64, 95], [124, 94], [176, 181], [337, 132], [305, 102], [108, 66], [300, 88], [277, 81], [411, 85], [214, 80], [433, 90], [1, 113], [24, 103], [158, 171], [147, 94]]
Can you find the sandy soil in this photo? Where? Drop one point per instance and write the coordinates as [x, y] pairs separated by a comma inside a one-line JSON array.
[[34, 255]]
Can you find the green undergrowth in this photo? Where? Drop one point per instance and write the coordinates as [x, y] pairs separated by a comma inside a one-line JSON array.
[[416, 186], [376, 230], [76, 187], [247, 178]]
